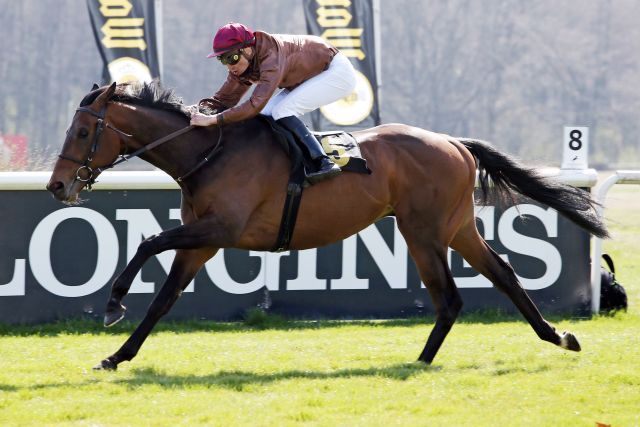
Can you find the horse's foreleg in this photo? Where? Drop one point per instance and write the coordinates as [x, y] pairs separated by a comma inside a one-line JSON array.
[[206, 232], [488, 263], [184, 268], [121, 285]]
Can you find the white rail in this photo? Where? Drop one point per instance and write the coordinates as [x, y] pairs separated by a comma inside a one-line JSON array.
[[619, 177], [111, 180], [158, 180]]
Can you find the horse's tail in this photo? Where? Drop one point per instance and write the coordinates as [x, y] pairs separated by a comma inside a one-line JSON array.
[[509, 177]]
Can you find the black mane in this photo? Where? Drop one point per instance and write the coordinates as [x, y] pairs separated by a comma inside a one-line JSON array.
[[151, 95]]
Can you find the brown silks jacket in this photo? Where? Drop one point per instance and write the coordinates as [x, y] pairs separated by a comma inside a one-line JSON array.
[[279, 61]]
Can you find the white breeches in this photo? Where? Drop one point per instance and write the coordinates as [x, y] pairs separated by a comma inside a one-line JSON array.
[[336, 82]]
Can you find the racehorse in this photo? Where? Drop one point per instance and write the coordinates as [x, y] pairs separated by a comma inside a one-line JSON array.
[[234, 199]]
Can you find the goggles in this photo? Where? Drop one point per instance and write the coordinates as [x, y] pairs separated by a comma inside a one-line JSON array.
[[230, 58]]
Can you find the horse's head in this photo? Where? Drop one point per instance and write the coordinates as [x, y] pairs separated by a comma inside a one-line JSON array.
[[90, 144]]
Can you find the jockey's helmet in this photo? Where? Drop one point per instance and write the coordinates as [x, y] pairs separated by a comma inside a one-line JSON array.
[[231, 36]]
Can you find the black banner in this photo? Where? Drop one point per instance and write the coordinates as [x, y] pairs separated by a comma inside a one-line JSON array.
[[349, 26], [125, 31], [58, 263]]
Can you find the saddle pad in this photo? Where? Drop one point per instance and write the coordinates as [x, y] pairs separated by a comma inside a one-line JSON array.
[[344, 151]]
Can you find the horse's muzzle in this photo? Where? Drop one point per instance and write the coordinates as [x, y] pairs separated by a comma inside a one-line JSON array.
[[57, 190]]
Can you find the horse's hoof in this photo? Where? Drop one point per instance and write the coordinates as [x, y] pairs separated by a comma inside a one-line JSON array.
[[569, 342], [113, 316], [106, 365]]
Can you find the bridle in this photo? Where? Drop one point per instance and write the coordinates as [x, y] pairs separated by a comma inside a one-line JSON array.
[[84, 165], [101, 124]]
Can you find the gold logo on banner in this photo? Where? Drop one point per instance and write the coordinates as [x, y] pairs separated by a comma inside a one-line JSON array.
[[334, 17], [127, 69], [119, 30], [354, 108]]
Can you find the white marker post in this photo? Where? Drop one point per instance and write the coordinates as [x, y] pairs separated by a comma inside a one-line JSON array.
[[576, 148], [575, 152]]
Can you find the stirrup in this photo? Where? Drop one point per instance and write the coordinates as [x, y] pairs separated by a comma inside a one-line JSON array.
[[327, 170]]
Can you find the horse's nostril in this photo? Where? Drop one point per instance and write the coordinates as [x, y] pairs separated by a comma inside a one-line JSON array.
[[54, 186]]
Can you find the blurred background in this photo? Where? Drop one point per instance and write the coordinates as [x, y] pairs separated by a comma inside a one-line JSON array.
[[507, 71]]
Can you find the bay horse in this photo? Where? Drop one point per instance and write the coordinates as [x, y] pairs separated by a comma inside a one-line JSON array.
[[235, 200]]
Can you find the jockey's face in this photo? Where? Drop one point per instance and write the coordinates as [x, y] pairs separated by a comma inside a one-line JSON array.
[[241, 66]]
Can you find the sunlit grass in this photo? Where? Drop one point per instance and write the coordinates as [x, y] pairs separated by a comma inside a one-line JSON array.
[[346, 373], [622, 212]]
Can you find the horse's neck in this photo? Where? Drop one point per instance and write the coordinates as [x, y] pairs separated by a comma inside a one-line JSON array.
[[181, 155], [152, 125]]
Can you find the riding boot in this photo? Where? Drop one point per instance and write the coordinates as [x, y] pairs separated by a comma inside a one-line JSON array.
[[325, 167]]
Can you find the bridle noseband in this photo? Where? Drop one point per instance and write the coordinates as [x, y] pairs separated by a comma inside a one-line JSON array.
[[101, 124]]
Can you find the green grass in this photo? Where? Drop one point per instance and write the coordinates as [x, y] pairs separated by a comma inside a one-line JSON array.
[[622, 212], [491, 370], [329, 373]]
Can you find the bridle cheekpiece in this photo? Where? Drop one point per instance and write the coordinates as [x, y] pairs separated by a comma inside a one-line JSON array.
[[101, 124]]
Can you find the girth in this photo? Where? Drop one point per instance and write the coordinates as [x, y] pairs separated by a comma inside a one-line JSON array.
[[294, 187]]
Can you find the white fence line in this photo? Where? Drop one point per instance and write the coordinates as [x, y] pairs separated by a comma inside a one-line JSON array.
[[619, 177], [111, 180], [158, 180]]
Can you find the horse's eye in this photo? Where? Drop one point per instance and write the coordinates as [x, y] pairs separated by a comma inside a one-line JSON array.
[[83, 133]]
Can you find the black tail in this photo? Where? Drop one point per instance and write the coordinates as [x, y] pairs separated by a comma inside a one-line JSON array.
[[509, 177]]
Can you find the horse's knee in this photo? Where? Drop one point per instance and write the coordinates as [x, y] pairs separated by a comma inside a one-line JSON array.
[[161, 305], [149, 246], [157, 309]]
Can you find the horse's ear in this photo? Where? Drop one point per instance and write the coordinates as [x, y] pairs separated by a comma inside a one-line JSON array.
[[106, 95], [95, 86], [111, 90]]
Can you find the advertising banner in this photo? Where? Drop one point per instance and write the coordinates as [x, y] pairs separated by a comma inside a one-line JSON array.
[[349, 26], [59, 262], [125, 31]]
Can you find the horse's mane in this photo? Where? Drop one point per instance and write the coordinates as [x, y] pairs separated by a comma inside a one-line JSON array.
[[151, 95]]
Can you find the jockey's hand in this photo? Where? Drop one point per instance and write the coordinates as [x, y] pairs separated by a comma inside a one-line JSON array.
[[199, 119], [191, 109]]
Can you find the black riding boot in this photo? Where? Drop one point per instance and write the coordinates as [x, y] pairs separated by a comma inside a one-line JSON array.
[[326, 168]]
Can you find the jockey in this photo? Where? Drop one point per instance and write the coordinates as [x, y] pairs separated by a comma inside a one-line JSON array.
[[293, 74]]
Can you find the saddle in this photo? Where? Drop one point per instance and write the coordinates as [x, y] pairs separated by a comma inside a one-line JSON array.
[[341, 147]]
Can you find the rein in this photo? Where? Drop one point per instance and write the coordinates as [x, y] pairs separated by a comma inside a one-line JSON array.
[[101, 124]]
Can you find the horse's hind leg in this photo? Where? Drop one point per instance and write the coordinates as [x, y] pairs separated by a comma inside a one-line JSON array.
[[431, 261], [446, 299], [184, 268], [475, 250]]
